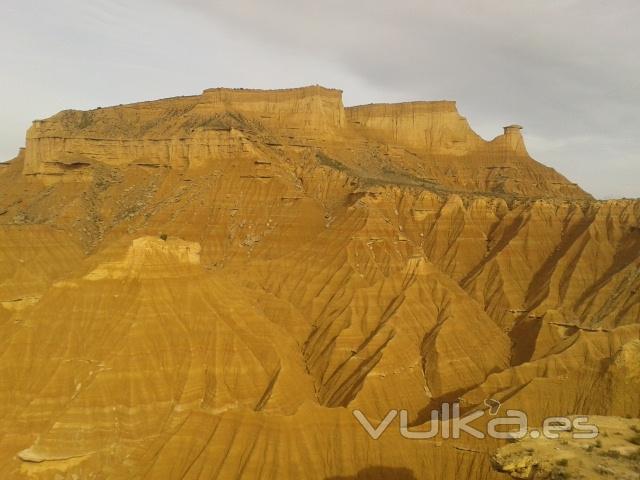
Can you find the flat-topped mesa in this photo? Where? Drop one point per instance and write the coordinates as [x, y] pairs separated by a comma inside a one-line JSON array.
[[178, 132], [436, 126], [429, 140], [312, 107]]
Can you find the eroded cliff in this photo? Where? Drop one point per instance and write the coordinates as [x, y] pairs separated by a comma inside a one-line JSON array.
[[420, 143]]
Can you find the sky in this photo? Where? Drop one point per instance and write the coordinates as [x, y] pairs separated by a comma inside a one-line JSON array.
[[567, 70]]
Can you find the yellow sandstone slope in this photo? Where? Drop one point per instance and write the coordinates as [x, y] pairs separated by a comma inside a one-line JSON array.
[[208, 286]]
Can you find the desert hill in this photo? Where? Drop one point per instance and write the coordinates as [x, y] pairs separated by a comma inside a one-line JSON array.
[[208, 286]]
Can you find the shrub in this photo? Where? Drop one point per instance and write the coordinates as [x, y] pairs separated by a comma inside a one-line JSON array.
[[559, 474], [611, 454]]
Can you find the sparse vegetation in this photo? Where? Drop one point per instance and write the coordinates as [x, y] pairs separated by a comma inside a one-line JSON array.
[[604, 470], [330, 162], [86, 118], [163, 237], [611, 454], [563, 462], [559, 474]]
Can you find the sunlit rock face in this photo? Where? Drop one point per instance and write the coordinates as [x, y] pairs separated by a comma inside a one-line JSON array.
[[417, 143], [208, 286]]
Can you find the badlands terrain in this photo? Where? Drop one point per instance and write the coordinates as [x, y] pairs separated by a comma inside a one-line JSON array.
[[208, 286]]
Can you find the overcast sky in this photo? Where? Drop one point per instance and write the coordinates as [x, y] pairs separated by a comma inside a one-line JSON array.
[[567, 70]]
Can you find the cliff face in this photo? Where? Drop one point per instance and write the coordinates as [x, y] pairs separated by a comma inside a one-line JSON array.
[[179, 133], [307, 108], [207, 286], [420, 142], [434, 127]]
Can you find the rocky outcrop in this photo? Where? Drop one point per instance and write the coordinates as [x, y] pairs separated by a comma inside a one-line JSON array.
[[513, 139], [306, 108], [613, 454], [149, 256]]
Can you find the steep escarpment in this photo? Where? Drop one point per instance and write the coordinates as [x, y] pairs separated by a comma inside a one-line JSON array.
[[419, 143], [433, 126], [209, 286], [182, 133], [451, 154]]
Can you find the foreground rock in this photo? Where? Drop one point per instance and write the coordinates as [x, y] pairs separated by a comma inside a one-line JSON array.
[[615, 453]]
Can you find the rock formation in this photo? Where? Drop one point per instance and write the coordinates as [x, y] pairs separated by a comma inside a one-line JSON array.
[[418, 143], [208, 286], [615, 454]]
